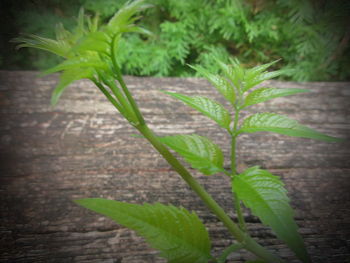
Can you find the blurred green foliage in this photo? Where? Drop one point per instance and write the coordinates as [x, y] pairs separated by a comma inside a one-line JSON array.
[[311, 37]]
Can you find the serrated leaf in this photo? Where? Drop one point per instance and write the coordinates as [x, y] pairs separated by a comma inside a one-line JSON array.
[[244, 79], [141, 30], [271, 122], [61, 33], [250, 83], [208, 107], [93, 22], [66, 78], [77, 63], [255, 71], [80, 29], [220, 83], [266, 196], [95, 41], [234, 72], [123, 20], [264, 94], [198, 151], [178, 234], [58, 47]]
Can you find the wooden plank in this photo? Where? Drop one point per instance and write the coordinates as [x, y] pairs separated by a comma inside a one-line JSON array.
[[83, 148]]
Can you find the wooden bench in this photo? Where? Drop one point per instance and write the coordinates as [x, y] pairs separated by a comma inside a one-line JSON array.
[[83, 148]]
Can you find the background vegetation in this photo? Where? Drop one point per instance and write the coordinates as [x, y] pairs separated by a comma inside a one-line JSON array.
[[311, 37]]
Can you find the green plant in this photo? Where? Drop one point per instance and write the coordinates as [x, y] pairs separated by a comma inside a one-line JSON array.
[[92, 52]]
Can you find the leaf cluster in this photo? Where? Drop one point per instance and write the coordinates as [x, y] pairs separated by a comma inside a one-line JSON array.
[[258, 189], [89, 50]]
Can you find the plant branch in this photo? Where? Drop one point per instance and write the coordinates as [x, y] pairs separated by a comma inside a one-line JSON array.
[[237, 201], [241, 237], [110, 97], [233, 248], [237, 204], [120, 97], [123, 85], [233, 142]]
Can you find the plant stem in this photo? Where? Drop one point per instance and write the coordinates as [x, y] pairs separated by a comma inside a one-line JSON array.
[[237, 204], [233, 143], [109, 97], [120, 97], [130, 99], [237, 201], [123, 85], [228, 251], [233, 155], [241, 237]]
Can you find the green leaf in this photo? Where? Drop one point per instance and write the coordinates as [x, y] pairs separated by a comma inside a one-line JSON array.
[[256, 75], [272, 122], [255, 71], [208, 107], [58, 47], [80, 28], [93, 22], [78, 63], [123, 20], [266, 196], [95, 41], [222, 84], [234, 72], [178, 234], [61, 33], [244, 79], [264, 94], [141, 30], [66, 78], [197, 150], [250, 83]]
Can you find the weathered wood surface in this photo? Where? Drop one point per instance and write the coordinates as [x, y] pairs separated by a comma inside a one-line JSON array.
[[83, 148]]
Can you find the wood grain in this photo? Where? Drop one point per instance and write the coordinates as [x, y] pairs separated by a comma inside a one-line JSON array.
[[83, 148]]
